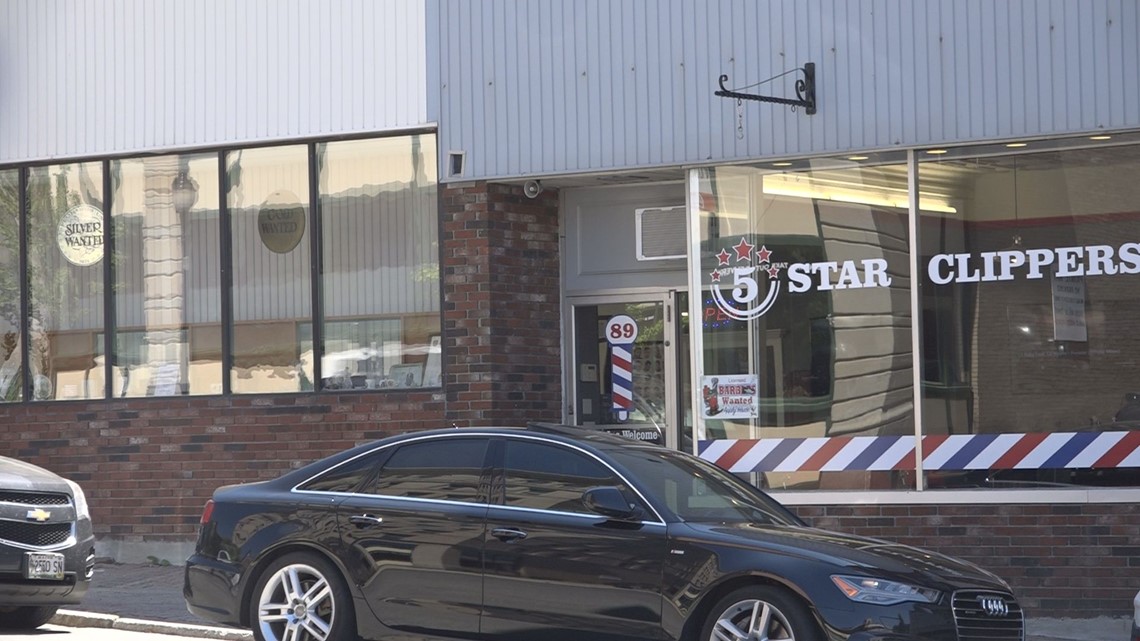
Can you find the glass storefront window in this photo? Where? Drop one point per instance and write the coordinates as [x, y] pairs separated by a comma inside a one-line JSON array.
[[173, 261], [65, 274], [1029, 302], [805, 317], [380, 274], [267, 194], [11, 383], [167, 276]]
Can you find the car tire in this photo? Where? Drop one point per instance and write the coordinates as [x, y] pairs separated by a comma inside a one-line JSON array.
[[28, 617], [305, 594], [760, 612]]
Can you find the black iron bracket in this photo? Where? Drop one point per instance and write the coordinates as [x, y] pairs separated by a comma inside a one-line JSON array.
[[805, 90]]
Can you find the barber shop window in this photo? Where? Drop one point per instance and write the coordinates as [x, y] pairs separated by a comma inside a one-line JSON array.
[[806, 317], [1030, 312]]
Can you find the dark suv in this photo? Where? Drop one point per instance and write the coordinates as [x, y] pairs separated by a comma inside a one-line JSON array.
[[47, 549]]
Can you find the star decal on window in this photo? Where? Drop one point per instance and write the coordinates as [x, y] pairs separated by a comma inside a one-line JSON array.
[[743, 250]]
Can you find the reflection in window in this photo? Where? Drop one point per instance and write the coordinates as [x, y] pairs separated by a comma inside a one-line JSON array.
[[444, 470], [346, 477], [545, 477], [65, 274], [11, 383], [267, 194], [381, 263], [806, 314], [1031, 289], [167, 268]]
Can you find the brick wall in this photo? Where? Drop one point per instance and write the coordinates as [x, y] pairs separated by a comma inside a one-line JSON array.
[[502, 311], [148, 465], [1077, 561]]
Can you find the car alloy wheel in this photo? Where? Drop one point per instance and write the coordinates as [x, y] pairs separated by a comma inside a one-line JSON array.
[[301, 598], [759, 613]]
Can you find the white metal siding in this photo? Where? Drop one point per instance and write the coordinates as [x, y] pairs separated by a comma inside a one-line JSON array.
[[92, 77], [548, 86]]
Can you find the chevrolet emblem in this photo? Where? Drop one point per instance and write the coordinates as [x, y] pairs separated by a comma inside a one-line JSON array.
[[38, 514]]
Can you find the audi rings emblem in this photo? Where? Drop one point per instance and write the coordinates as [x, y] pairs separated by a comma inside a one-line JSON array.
[[993, 606]]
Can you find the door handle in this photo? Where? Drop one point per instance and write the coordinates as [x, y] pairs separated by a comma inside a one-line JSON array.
[[507, 534], [365, 520]]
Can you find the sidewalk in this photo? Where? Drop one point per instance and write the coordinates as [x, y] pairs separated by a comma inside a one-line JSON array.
[[149, 598], [141, 598]]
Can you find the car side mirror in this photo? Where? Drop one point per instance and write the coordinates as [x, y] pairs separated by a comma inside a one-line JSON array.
[[609, 501]]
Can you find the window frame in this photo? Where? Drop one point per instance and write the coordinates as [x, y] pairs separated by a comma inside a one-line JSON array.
[[498, 485]]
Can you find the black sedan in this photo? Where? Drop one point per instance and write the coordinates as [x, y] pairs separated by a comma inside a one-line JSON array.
[[558, 533], [47, 548]]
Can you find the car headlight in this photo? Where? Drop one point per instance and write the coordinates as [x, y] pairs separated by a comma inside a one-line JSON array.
[[882, 592], [81, 509]]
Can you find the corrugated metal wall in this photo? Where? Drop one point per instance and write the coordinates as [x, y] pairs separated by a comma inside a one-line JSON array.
[[95, 77], [548, 86]]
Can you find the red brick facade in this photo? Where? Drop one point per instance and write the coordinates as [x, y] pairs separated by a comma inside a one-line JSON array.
[[501, 313]]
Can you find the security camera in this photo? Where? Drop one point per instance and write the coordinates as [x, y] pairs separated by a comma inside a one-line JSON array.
[[532, 188]]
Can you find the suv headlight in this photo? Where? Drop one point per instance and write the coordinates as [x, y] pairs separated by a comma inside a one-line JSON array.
[[81, 509], [882, 592]]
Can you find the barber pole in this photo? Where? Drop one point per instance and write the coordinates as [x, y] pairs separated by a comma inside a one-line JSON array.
[[621, 332]]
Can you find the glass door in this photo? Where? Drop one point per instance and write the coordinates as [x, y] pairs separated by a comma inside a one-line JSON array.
[[625, 372]]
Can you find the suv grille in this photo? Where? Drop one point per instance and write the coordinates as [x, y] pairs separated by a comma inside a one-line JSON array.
[[982, 615], [39, 535], [33, 498]]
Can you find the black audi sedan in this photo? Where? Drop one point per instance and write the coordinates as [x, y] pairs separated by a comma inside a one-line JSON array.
[[47, 548], [558, 533]]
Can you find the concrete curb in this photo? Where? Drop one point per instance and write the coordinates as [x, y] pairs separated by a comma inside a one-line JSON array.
[[74, 619], [1101, 629]]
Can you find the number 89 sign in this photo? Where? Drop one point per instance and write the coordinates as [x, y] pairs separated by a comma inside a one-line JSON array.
[[621, 330]]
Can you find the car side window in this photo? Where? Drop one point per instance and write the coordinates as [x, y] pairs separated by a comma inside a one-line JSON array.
[[444, 469], [549, 477], [345, 477]]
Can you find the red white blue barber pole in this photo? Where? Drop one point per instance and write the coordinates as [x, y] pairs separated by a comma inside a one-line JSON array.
[[621, 332]]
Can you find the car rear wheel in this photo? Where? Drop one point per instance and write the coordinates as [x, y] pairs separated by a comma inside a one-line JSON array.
[[759, 613], [27, 617], [302, 597]]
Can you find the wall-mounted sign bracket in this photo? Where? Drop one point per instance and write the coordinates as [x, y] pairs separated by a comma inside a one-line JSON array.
[[805, 90]]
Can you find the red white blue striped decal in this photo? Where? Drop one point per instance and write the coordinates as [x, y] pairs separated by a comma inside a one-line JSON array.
[[621, 365], [1035, 451]]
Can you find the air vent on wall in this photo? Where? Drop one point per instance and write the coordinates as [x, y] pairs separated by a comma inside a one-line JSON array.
[[661, 233]]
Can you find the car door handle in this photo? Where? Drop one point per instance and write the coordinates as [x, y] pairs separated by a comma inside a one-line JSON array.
[[507, 534], [365, 520]]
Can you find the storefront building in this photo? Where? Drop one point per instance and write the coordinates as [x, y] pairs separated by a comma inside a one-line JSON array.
[[901, 303]]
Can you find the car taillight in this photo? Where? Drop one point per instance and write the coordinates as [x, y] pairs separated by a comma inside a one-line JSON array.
[[207, 512]]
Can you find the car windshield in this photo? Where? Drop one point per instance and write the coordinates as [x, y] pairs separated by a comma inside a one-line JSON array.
[[698, 491]]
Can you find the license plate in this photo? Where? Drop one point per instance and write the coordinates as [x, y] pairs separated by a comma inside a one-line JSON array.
[[43, 565]]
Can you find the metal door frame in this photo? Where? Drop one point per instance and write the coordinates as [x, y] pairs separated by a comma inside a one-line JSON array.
[[667, 297]]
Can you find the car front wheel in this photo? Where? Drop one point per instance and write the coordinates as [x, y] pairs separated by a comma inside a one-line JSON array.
[[301, 597], [759, 613], [27, 617]]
